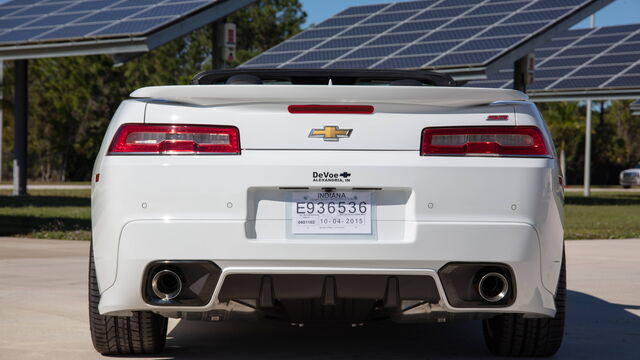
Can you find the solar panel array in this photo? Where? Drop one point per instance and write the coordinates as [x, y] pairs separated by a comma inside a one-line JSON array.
[[419, 34], [594, 58], [50, 20]]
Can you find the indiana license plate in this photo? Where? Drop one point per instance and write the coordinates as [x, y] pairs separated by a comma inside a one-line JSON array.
[[337, 212]]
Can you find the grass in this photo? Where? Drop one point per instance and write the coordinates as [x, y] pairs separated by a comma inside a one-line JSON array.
[[46, 214], [604, 215], [65, 214], [36, 182]]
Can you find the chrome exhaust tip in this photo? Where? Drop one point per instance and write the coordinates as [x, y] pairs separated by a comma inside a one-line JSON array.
[[166, 284], [493, 287]]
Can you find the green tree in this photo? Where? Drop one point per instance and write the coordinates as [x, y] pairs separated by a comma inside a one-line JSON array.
[[565, 121], [615, 138], [627, 128], [608, 151], [266, 24]]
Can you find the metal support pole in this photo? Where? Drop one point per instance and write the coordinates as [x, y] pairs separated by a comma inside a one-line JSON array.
[[519, 75], [1, 112], [563, 164], [587, 153], [215, 62], [216, 46], [20, 128], [587, 138]]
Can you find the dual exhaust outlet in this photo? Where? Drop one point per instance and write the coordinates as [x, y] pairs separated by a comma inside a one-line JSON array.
[[469, 285], [493, 287], [179, 282], [166, 285]]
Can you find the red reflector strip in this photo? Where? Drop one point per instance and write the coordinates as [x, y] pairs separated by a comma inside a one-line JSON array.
[[503, 140], [331, 109], [175, 139]]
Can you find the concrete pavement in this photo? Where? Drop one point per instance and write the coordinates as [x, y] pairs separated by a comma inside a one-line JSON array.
[[43, 315]]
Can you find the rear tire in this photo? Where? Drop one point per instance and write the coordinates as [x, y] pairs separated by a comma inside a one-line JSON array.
[[626, 186], [142, 333], [513, 335]]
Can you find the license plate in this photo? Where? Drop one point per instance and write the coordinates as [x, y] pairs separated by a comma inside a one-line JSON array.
[[335, 212]]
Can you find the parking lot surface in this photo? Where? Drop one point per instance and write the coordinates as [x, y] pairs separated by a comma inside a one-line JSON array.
[[43, 315]]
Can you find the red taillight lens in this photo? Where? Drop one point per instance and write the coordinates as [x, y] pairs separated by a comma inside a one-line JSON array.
[[331, 109], [502, 140], [175, 139]]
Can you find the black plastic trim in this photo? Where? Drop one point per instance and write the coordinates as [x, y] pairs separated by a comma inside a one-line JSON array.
[[322, 76], [390, 289]]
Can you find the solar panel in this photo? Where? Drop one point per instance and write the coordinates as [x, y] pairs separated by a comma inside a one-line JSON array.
[[433, 34], [598, 58], [635, 107], [34, 21]]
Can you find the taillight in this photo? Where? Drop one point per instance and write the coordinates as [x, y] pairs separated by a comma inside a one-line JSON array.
[[331, 109], [175, 139], [495, 140]]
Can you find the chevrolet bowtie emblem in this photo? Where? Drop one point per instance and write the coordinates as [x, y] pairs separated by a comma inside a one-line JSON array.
[[330, 133]]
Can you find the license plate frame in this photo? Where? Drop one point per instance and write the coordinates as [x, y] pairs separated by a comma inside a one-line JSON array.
[[342, 213]]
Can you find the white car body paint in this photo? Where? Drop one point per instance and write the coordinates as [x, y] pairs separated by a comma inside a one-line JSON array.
[[231, 209]]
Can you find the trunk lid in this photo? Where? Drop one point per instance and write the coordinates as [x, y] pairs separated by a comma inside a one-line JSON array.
[[261, 113]]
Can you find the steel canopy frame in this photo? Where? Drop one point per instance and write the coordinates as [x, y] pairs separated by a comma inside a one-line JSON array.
[[635, 108], [586, 94], [122, 48], [509, 58], [597, 62], [79, 48], [124, 44]]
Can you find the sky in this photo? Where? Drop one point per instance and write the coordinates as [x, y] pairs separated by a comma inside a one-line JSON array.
[[617, 13]]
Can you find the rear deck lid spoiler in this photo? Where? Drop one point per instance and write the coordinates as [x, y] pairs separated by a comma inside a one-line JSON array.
[[212, 95]]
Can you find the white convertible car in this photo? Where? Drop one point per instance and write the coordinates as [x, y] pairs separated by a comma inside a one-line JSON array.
[[327, 196]]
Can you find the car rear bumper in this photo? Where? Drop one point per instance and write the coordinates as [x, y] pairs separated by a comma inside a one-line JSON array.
[[425, 249], [630, 181]]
